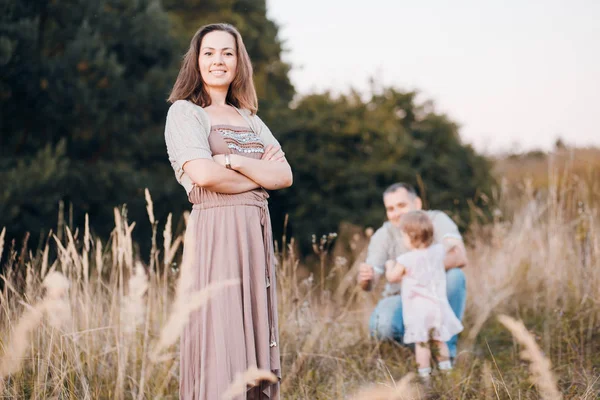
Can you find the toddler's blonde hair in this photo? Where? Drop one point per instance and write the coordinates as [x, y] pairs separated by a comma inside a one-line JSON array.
[[418, 227]]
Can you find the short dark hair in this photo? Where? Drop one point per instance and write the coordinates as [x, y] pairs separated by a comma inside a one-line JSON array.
[[401, 185]]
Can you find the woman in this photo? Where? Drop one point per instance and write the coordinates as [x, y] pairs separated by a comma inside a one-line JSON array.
[[225, 156]]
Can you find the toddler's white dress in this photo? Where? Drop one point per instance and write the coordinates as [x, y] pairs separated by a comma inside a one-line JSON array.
[[425, 307]]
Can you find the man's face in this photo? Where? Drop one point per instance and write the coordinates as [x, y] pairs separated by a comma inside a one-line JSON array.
[[399, 203]]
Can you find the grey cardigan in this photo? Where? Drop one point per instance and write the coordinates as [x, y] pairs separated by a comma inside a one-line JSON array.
[[186, 134]]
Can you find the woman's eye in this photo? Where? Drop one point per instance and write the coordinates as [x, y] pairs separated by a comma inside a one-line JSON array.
[[208, 53], [229, 54]]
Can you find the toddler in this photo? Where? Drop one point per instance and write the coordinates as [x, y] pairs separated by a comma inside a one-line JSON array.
[[425, 309]]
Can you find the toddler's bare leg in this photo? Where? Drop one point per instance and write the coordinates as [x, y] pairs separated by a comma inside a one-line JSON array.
[[423, 356], [444, 363], [444, 353]]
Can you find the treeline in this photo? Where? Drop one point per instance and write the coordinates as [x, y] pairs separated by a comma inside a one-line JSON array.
[[83, 85]]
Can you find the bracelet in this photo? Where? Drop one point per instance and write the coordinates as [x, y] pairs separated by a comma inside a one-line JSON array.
[[227, 161]]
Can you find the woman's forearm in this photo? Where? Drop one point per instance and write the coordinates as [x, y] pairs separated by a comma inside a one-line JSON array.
[[233, 183], [216, 178], [271, 175]]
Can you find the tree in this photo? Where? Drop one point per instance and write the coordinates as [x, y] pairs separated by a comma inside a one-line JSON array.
[[83, 91], [92, 75], [345, 152], [83, 85]]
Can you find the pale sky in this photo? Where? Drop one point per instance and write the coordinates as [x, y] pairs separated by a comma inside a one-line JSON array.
[[509, 72]]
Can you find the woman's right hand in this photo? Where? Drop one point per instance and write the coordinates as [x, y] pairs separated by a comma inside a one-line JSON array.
[[219, 159]]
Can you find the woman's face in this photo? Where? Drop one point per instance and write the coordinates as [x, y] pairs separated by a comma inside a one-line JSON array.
[[218, 59]]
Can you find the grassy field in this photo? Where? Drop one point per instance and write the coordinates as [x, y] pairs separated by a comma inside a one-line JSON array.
[[81, 319]]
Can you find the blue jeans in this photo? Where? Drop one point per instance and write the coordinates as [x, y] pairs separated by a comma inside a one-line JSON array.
[[386, 320]]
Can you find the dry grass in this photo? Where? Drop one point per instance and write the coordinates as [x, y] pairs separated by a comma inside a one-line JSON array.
[[405, 389], [250, 378], [113, 333], [539, 366]]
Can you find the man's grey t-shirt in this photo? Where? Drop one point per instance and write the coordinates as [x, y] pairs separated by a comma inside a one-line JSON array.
[[387, 244]]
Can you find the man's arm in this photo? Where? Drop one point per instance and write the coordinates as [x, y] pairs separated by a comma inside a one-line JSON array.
[[456, 254], [371, 270], [447, 233]]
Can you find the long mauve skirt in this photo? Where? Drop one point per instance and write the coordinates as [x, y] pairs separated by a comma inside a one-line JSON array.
[[231, 238]]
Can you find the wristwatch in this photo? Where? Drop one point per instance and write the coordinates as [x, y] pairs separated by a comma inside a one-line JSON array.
[[227, 161]]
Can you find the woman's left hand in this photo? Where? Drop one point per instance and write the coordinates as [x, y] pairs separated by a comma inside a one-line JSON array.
[[273, 153]]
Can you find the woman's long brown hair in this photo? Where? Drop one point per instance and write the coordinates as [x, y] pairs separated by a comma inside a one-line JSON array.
[[190, 86]]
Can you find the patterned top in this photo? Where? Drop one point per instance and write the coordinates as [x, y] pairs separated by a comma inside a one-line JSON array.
[[229, 139], [187, 132], [425, 306]]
